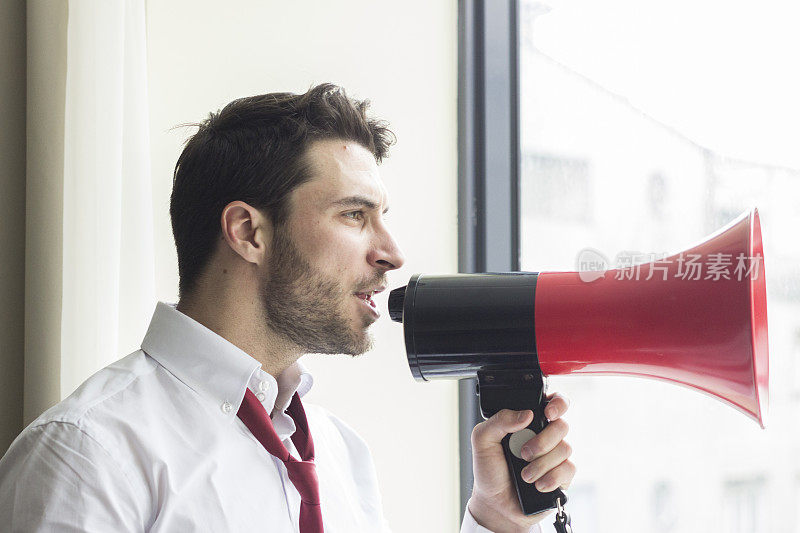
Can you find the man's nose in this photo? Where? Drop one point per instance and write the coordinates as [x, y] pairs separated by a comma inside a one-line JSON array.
[[386, 254]]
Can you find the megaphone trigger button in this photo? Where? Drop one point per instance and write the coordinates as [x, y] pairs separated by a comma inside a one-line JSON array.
[[518, 439]]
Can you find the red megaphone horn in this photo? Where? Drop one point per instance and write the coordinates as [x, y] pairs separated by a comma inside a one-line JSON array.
[[697, 318]]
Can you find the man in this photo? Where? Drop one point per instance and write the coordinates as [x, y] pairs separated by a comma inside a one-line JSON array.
[[277, 212]]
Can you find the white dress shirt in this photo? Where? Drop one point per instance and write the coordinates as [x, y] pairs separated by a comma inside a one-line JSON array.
[[152, 443]]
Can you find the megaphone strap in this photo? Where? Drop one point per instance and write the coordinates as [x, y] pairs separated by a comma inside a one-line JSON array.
[[562, 523]]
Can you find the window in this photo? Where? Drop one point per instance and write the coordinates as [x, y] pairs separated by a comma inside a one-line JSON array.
[[648, 127], [665, 515], [744, 508]]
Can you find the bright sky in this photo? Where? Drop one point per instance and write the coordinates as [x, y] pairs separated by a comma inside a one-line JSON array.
[[725, 73]]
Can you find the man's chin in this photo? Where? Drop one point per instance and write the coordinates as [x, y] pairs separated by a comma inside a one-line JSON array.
[[364, 344], [358, 343]]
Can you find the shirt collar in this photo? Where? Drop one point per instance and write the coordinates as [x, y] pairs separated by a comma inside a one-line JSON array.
[[214, 367]]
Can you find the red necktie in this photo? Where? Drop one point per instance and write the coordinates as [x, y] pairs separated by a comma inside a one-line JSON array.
[[303, 474]]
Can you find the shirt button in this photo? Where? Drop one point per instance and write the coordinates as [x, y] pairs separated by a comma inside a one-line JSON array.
[[226, 407], [263, 385], [261, 396]]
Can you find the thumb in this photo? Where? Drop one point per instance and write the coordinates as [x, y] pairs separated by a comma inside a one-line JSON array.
[[488, 434]]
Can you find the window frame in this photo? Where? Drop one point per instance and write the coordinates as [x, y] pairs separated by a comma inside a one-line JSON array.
[[488, 166]]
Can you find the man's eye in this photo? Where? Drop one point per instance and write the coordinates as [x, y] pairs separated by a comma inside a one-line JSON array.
[[355, 215]]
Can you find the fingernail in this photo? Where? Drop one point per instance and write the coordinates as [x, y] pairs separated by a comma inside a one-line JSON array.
[[542, 486], [522, 415], [526, 453], [550, 413], [527, 476]]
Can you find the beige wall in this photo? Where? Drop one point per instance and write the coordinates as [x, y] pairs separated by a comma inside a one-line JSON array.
[[12, 208], [403, 57]]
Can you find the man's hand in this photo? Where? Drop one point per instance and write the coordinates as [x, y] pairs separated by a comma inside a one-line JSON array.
[[494, 502]]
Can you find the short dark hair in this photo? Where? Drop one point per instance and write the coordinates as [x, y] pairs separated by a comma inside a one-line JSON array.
[[253, 150]]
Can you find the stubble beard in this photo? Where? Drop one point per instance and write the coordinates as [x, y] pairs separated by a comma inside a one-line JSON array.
[[306, 307]]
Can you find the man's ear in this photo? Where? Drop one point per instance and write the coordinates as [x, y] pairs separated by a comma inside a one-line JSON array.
[[247, 231]]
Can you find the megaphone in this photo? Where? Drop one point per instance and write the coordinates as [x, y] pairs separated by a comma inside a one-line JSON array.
[[697, 318]]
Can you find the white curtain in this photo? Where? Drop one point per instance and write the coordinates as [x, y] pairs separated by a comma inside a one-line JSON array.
[[108, 273], [107, 288]]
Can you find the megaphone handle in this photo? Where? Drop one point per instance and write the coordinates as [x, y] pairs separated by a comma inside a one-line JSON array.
[[518, 390]]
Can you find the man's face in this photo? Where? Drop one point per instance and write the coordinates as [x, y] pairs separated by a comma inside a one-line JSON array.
[[332, 254]]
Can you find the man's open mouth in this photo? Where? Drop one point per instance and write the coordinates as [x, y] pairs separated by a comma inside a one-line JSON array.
[[367, 296]]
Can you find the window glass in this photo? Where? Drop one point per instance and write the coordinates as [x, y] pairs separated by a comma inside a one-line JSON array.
[[645, 127]]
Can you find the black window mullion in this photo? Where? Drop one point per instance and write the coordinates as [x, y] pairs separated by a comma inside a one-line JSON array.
[[488, 180]]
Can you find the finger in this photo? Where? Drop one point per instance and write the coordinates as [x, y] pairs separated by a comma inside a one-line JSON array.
[[559, 477], [545, 441], [557, 405], [547, 462], [488, 434]]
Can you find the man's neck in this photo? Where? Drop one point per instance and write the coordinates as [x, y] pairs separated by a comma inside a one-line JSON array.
[[244, 327]]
